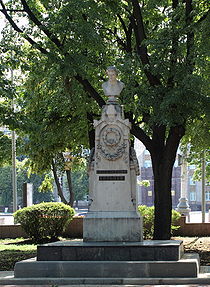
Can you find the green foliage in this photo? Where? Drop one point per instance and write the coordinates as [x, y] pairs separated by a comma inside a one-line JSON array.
[[22, 177], [148, 220], [5, 149], [53, 102], [80, 182], [5, 185], [47, 184], [196, 144], [145, 183], [44, 220]]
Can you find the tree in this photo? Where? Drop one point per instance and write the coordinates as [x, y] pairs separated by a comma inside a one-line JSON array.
[[5, 149], [160, 50], [22, 177], [80, 182]]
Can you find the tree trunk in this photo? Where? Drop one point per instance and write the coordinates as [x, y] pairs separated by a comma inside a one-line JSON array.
[[58, 185], [163, 148], [163, 154], [162, 171], [71, 193]]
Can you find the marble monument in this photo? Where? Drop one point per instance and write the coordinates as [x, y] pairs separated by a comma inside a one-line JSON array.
[[113, 168], [112, 250]]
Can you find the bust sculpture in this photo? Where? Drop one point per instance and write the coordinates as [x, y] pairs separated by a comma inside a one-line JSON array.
[[113, 87]]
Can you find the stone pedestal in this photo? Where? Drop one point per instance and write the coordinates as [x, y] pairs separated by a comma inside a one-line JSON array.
[[113, 168], [112, 226]]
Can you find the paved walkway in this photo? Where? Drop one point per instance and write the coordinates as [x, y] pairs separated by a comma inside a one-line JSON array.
[[106, 285], [203, 279]]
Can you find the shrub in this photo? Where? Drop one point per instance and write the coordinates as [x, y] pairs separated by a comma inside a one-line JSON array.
[[148, 220], [45, 220]]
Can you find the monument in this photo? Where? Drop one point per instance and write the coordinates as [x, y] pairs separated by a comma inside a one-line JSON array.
[[113, 168], [112, 250]]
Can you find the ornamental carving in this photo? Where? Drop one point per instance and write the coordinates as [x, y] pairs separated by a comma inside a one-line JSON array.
[[111, 136], [112, 154], [112, 145]]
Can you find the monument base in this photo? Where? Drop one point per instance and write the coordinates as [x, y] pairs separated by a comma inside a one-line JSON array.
[[110, 260], [117, 226]]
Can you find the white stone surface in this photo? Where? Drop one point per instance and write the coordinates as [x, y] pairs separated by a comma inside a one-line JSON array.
[[113, 169], [112, 226], [113, 87]]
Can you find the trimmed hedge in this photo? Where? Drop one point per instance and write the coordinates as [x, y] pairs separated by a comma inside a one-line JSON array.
[[147, 212], [45, 220]]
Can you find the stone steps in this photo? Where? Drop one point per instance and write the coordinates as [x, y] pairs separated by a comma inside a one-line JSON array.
[[148, 250], [187, 267]]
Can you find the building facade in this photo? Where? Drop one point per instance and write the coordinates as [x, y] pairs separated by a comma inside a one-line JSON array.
[[146, 194]]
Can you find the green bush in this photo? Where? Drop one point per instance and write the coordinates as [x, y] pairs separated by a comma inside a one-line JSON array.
[[148, 220], [45, 220]]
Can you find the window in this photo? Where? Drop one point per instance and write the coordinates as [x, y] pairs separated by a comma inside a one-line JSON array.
[[208, 195], [149, 193], [173, 192], [192, 166], [192, 196], [192, 182]]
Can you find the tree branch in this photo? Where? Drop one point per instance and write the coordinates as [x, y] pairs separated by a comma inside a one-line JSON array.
[[60, 192], [16, 28], [140, 36], [71, 192], [142, 136], [174, 47], [190, 36], [36, 21], [175, 135], [91, 91], [122, 23], [202, 18], [128, 33], [118, 39], [91, 130]]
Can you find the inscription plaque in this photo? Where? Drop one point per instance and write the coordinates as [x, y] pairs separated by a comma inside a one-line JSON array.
[[111, 178], [112, 171]]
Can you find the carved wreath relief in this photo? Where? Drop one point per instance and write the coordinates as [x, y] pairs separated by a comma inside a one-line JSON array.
[[112, 145]]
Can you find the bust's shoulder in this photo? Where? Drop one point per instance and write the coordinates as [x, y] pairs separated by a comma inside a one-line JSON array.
[[104, 84], [121, 84]]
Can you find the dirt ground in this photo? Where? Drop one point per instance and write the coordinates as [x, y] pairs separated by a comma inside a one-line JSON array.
[[200, 245]]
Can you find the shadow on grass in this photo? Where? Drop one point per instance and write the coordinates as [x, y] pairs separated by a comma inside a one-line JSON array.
[[31, 241], [8, 258]]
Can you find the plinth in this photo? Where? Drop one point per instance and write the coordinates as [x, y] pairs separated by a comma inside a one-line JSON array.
[[110, 262]]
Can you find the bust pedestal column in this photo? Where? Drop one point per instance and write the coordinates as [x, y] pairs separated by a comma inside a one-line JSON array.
[[113, 169]]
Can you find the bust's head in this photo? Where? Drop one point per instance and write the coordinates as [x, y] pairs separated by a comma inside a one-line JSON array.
[[112, 73]]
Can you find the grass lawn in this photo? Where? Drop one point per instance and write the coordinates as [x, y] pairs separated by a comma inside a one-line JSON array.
[[13, 250]]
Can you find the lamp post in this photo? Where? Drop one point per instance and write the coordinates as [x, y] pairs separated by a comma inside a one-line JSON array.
[[14, 171], [183, 206]]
